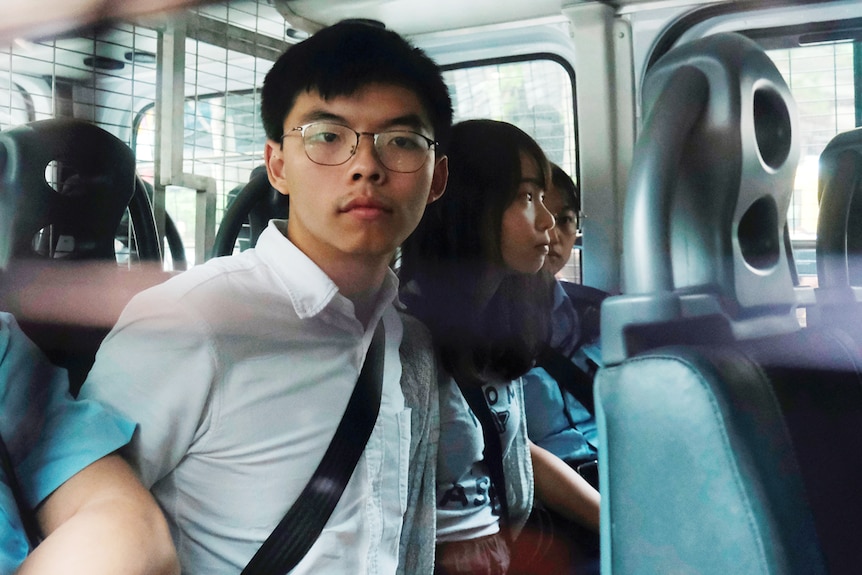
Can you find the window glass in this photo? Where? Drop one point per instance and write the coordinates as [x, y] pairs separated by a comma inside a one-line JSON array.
[[229, 49], [820, 77], [536, 95], [15, 108]]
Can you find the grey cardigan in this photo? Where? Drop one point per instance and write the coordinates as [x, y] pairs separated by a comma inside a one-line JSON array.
[[421, 379], [419, 383]]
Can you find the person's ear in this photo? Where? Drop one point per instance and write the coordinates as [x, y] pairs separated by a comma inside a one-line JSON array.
[[273, 156], [439, 179]]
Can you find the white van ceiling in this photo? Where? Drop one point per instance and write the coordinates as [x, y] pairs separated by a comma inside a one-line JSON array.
[[41, 18], [412, 17]]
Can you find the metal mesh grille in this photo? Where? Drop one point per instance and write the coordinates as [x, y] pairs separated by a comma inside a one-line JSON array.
[[103, 75], [535, 95], [229, 49], [108, 76]]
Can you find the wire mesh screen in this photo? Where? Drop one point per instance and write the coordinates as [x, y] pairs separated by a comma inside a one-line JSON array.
[[108, 75], [535, 95], [229, 48], [103, 75]]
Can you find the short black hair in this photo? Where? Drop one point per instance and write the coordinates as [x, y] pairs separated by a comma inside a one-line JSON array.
[[567, 187], [345, 57]]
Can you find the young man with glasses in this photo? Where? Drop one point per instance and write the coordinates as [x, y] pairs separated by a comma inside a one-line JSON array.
[[238, 371]]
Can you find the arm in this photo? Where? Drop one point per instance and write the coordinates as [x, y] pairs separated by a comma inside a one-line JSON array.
[[102, 521], [155, 368], [559, 487]]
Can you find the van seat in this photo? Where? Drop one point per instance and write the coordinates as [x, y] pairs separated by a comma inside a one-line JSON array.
[[65, 187], [254, 204], [730, 437]]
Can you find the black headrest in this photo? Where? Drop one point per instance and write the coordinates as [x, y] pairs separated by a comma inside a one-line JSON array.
[[93, 177], [255, 204], [839, 223]]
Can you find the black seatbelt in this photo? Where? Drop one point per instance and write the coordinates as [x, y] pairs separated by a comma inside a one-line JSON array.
[[303, 522], [28, 518], [587, 302], [569, 377], [493, 452]]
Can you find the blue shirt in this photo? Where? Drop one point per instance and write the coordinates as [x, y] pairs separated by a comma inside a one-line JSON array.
[[556, 420], [50, 436]]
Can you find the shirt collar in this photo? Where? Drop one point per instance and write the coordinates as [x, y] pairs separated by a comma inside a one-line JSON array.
[[308, 287]]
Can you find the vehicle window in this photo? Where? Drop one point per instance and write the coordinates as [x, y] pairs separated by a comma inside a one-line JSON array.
[[535, 94], [821, 78], [15, 107], [229, 49], [223, 140]]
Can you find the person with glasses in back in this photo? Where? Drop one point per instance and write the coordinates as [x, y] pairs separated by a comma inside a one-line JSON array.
[[239, 370], [568, 429], [558, 393]]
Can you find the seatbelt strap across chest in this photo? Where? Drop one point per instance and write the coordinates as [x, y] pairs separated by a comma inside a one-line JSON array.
[[303, 522]]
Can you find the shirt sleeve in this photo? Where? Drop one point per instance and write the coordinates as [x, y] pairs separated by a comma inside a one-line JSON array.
[[50, 435], [543, 405], [157, 368]]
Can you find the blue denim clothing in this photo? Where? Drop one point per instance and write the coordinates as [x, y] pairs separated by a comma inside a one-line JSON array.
[[556, 420], [50, 436]]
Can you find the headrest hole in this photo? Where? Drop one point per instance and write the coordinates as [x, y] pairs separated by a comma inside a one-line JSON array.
[[771, 127], [758, 234], [65, 179], [47, 243], [52, 175]]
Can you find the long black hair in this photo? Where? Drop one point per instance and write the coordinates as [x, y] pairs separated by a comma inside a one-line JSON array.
[[487, 322]]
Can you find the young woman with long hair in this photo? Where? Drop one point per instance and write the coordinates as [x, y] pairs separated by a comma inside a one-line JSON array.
[[472, 272]]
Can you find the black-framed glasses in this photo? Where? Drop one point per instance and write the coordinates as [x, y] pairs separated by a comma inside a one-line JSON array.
[[333, 144]]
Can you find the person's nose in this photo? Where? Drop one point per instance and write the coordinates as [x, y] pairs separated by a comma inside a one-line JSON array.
[[545, 220], [365, 162]]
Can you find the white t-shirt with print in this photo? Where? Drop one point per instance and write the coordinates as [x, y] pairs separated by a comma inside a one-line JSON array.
[[465, 509]]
